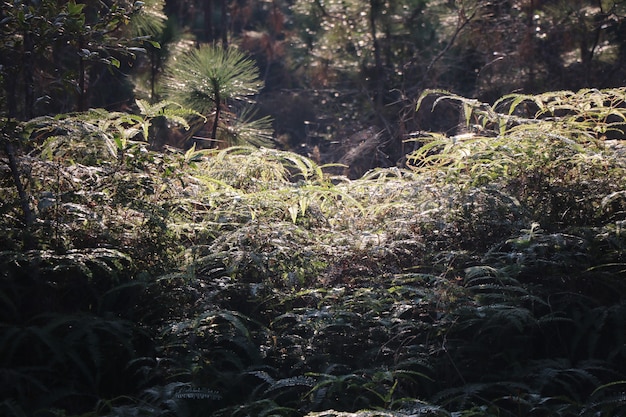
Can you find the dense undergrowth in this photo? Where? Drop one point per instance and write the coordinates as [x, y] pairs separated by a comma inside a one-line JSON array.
[[487, 277]]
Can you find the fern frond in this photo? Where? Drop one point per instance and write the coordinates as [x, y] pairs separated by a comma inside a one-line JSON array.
[[262, 375], [197, 394], [296, 381]]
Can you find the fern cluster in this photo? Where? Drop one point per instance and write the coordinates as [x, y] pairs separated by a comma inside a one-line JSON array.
[[487, 277]]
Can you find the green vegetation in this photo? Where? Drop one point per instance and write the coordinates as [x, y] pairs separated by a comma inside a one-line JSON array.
[[340, 77], [208, 78], [437, 246], [486, 276]]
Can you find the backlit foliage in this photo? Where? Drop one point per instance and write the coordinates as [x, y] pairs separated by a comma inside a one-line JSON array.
[[486, 277]]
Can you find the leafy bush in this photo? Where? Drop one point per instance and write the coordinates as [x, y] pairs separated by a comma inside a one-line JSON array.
[[484, 278]]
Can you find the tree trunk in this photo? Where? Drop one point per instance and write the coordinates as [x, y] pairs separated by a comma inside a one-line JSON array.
[[11, 92], [208, 21], [379, 82], [224, 23], [27, 71], [29, 218], [154, 70], [531, 45], [82, 105], [217, 114]]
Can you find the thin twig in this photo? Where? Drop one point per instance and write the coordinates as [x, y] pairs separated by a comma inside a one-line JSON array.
[[462, 22]]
